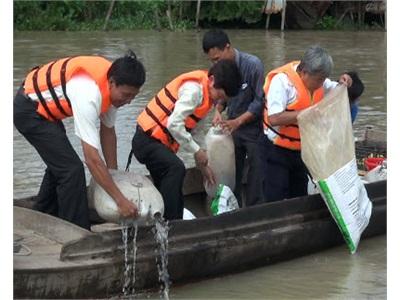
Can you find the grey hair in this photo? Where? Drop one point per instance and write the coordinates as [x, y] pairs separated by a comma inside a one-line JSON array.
[[316, 60]]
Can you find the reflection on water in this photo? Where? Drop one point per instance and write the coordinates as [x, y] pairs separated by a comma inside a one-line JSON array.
[[167, 54], [331, 274]]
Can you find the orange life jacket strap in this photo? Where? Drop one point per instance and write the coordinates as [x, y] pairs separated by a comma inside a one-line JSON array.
[[163, 128], [64, 81], [39, 94], [169, 95], [284, 136], [52, 91], [162, 106]]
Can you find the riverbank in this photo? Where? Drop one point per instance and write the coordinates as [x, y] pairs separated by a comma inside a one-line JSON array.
[[185, 15]]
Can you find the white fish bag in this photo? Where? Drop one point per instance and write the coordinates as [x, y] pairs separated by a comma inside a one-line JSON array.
[[137, 188], [221, 159], [328, 151]]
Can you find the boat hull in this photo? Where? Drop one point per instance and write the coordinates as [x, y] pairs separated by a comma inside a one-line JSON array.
[[92, 266]]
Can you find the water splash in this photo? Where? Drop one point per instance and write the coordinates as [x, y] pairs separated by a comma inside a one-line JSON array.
[[160, 231], [127, 267], [134, 246], [130, 250]]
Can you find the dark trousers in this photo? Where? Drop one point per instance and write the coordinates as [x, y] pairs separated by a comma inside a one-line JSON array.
[[63, 189], [246, 144], [285, 175], [166, 169]]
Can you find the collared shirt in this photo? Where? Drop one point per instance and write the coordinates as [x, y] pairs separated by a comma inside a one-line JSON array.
[[250, 97], [85, 98]]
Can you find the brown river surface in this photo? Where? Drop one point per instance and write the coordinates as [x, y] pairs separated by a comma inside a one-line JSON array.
[[332, 274]]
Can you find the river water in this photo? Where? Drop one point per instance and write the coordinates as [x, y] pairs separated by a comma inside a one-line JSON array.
[[166, 54]]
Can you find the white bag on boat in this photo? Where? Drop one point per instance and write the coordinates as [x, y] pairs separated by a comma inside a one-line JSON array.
[[187, 214], [221, 159], [137, 188], [223, 201], [328, 150]]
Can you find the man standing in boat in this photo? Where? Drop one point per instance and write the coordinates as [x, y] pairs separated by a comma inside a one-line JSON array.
[[288, 90], [244, 112], [88, 88], [166, 123]]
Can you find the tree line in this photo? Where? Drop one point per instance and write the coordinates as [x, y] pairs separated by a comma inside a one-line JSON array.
[[181, 15]]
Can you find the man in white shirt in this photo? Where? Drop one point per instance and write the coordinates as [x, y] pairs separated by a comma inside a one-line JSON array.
[[89, 88], [288, 90], [166, 124]]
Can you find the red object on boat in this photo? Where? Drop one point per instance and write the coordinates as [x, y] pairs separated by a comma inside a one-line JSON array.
[[372, 162]]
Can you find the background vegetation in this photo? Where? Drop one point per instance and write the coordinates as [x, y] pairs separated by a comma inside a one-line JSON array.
[[176, 15]]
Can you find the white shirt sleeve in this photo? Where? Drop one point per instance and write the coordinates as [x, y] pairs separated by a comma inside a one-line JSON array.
[[85, 98], [280, 93], [329, 84], [109, 117], [190, 96]]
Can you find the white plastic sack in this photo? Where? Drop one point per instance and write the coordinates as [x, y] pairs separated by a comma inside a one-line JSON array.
[[187, 214], [223, 201], [137, 188], [328, 150], [221, 159]]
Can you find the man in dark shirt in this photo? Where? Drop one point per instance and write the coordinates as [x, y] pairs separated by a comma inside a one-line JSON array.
[[244, 112]]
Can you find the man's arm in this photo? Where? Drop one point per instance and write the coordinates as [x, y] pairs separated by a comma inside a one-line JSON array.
[[190, 97], [100, 173], [283, 118], [255, 107], [108, 140]]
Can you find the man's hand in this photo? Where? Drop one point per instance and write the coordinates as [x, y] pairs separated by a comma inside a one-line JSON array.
[[201, 158], [208, 175], [127, 209], [217, 118], [230, 126], [346, 80]]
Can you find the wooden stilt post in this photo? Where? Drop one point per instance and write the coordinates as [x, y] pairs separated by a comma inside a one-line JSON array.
[[283, 13], [108, 14], [198, 13]]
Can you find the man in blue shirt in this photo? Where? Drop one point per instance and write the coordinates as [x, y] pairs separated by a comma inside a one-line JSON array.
[[244, 112]]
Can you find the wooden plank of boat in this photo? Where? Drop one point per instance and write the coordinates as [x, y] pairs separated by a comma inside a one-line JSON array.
[[69, 262]]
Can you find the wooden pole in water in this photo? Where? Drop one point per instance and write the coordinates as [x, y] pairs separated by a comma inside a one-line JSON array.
[[171, 26], [283, 13], [108, 14], [198, 13]]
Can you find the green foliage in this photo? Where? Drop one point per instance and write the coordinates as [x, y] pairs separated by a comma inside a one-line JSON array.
[[219, 11], [90, 15], [326, 23], [128, 15]]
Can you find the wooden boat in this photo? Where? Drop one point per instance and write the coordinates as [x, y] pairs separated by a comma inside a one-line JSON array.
[[56, 259]]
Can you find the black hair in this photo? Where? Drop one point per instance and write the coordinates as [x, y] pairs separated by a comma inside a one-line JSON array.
[[127, 70], [357, 87], [226, 76], [215, 38]]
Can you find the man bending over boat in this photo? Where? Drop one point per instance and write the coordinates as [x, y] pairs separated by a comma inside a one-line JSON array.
[[88, 88], [166, 123], [288, 90]]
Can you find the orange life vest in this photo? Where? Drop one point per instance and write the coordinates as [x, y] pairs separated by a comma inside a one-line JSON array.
[[153, 120], [58, 72], [288, 136]]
